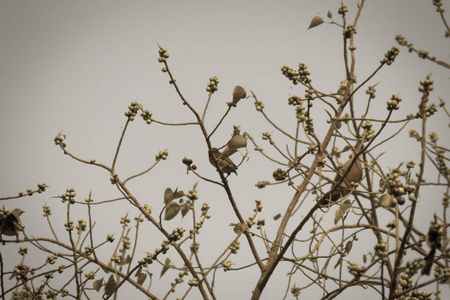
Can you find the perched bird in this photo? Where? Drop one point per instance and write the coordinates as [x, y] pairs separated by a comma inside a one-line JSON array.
[[11, 224], [226, 165], [355, 175], [433, 240]]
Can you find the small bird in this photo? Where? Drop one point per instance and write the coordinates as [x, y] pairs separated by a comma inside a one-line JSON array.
[[11, 224], [226, 165], [433, 240], [355, 175]]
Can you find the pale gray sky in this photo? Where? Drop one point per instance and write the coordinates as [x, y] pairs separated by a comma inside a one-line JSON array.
[[76, 66]]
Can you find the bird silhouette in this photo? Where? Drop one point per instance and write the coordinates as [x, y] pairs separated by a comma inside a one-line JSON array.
[[354, 175], [11, 224]]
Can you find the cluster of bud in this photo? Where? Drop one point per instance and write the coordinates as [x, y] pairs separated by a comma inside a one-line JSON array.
[[194, 247], [390, 56], [205, 208], [126, 243], [300, 113], [260, 224], [113, 178], [23, 251], [371, 92], [259, 105], [90, 275], [444, 273], [212, 85], [226, 264], [178, 280], [69, 225], [69, 195], [412, 267], [235, 247], [303, 73], [420, 295], [162, 155], [21, 271], [295, 291], [51, 259], [193, 282], [176, 235], [381, 251], [110, 238], [397, 189], [343, 9], [309, 125], [125, 220], [258, 207], [192, 194], [294, 100], [296, 76], [440, 160], [268, 136], [59, 140], [147, 116], [392, 104], [88, 250], [355, 269], [391, 225], [309, 94], [147, 209], [81, 225], [41, 187], [250, 221], [349, 31], [163, 54], [426, 85], [279, 175], [262, 184], [133, 108], [369, 132]]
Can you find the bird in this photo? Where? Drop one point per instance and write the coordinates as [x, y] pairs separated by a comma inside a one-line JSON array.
[[433, 240], [226, 165], [354, 175], [11, 224]]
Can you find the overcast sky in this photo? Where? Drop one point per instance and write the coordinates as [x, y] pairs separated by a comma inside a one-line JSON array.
[[76, 66]]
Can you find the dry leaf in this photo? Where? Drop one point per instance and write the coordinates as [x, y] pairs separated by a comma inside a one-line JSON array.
[[185, 208], [97, 284], [172, 210], [345, 206], [346, 148], [168, 195], [337, 216], [110, 286], [165, 267], [141, 278], [138, 272], [385, 200], [338, 262], [238, 94], [348, 247], [238, 141], [316, 21], [178, 194]]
